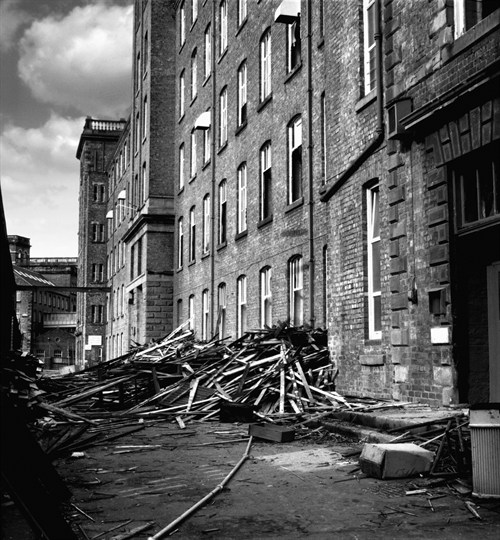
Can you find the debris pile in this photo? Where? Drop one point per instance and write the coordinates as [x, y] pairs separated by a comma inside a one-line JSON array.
[[275, 372]]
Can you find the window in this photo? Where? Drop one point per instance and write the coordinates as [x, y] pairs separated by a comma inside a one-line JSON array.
[[145, 50], [97, 313], [266, 297], [207, 64], [137, 131], [138, 71], [194, 11], [181, 166], [241, 305], [206, 145], [179, 312], [242, 11], [222, 27], [180, 242], [295, 160], [242, 198], [369, 23], [476, 185], [467, 13], [221, 310], [293, 45], [140, 255], [242, 94], [192, 235], [265, 66], [97, 272], [182, 24], [373, 259], [191, 312], [97, 232], [144, 178], [296, 300], [132, 262], [205, 314], [223, 212], [194, 74], [182, 88], [192, 171], [145, 118], [323, 138], [206, 224], [223, 117], [98, 193], [321, 9], [265, 182]]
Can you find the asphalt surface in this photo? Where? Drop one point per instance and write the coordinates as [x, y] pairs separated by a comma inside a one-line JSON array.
[[301, 489]]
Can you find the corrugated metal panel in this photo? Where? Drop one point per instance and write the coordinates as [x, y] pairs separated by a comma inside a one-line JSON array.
[[485, 439]]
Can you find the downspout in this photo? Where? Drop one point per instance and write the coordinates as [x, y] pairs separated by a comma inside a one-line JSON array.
[[213, 156], [312, 318], [378, 136]]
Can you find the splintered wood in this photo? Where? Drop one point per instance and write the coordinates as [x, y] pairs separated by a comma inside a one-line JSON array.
[[277, 372]]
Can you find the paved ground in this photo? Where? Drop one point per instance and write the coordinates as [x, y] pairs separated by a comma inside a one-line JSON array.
[[302, 489]]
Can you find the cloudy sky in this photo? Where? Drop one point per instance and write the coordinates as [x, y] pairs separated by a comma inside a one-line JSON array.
[[60, 61]]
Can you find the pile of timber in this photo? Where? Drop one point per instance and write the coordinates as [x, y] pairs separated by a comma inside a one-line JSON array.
[[275, 372]]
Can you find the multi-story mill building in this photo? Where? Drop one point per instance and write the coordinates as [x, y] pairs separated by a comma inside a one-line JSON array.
[[327, 163]]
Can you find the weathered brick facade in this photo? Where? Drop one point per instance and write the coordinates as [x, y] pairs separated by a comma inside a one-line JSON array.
[[433, 345], [382, 222]]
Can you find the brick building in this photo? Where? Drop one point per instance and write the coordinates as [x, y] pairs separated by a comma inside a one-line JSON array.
[[250, 234], [95, 152], [327, 163], [45, 305], [133, 207], [414, 215]]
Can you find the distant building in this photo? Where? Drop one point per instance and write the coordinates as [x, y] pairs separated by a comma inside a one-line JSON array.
[[45, 305], [326, 163]]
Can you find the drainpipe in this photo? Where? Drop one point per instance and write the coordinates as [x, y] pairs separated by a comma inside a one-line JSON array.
[[378, 136], [312, 318], [213, 156]]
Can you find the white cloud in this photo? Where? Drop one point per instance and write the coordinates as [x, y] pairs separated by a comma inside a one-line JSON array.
[[81, 61], [40, 181], [11, 19]]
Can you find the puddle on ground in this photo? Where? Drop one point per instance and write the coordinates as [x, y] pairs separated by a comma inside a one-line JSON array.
[[306, 460]]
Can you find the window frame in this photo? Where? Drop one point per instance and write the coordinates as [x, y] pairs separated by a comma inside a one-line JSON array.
[[295, 178], [266, 297], [242, 107], [265, 65], [193, 156], [242, 221], [191, 312], [222, 232], [182, 24], [223, 41], [294, 46], [192, 234], [369, 47], [265, 207], [242, 9], [221, 310], [296, 290], [207, 57], [205, 314], [241, 303], [206, 229], [373, 291], [194, 74], [182, 152], [180, 242], [223, 117], [182, 93]]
